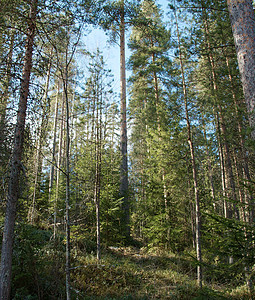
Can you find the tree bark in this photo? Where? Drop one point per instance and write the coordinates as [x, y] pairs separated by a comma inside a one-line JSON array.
[[98, 150], [243, 27], [68, 245], [123, 133], [16, 165]]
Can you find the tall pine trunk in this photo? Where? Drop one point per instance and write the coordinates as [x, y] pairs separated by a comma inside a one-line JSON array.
[[243, 26], [16, 164], [98, 153], [123, 133], [67, 216]]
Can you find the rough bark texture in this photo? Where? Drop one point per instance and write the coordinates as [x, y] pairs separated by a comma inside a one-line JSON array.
[[67, 216], [243, 26], [16, 165], [123, 133]]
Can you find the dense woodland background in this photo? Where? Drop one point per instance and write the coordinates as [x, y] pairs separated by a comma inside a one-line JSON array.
[[152, 202]]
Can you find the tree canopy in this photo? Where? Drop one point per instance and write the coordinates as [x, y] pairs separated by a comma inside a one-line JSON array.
[[141, 190]]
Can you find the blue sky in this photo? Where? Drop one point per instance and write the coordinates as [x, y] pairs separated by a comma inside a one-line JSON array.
[[98, 39]]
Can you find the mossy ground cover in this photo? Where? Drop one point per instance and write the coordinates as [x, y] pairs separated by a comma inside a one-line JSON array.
[[122, 273], [131, 273]]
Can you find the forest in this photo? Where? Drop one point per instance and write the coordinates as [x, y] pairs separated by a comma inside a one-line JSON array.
[[136, 185]]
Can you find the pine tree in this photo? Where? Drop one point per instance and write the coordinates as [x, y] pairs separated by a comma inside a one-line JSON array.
[[16, 161], [115, 19], [243, 26]]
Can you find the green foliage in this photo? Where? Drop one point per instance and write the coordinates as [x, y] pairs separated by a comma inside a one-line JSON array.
[[122, 273], [127, 273], [160, 172], [228, 238], [38, 264]]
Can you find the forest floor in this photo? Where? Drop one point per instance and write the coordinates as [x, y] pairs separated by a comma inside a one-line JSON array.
[[123, 273], [130, 273]]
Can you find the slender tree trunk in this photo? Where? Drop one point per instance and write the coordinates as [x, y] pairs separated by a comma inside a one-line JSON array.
[[226, 148], [222, 164], [60, 149], [98, 140], [241, 194], [42, 128], [245, 220], [231, 190], [55, 122], [194, 169], [156, 91], [68, 245], [248, 193], [242, 18], [16, 165], [123, 133], [5, 93], [31, 212], [209, 166]]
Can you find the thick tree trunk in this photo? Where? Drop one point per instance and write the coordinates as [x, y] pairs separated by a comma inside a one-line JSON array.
[[123, 133], [243, 26], [16, 165]]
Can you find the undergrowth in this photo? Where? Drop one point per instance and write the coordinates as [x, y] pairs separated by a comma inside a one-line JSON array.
[[126, 273]]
